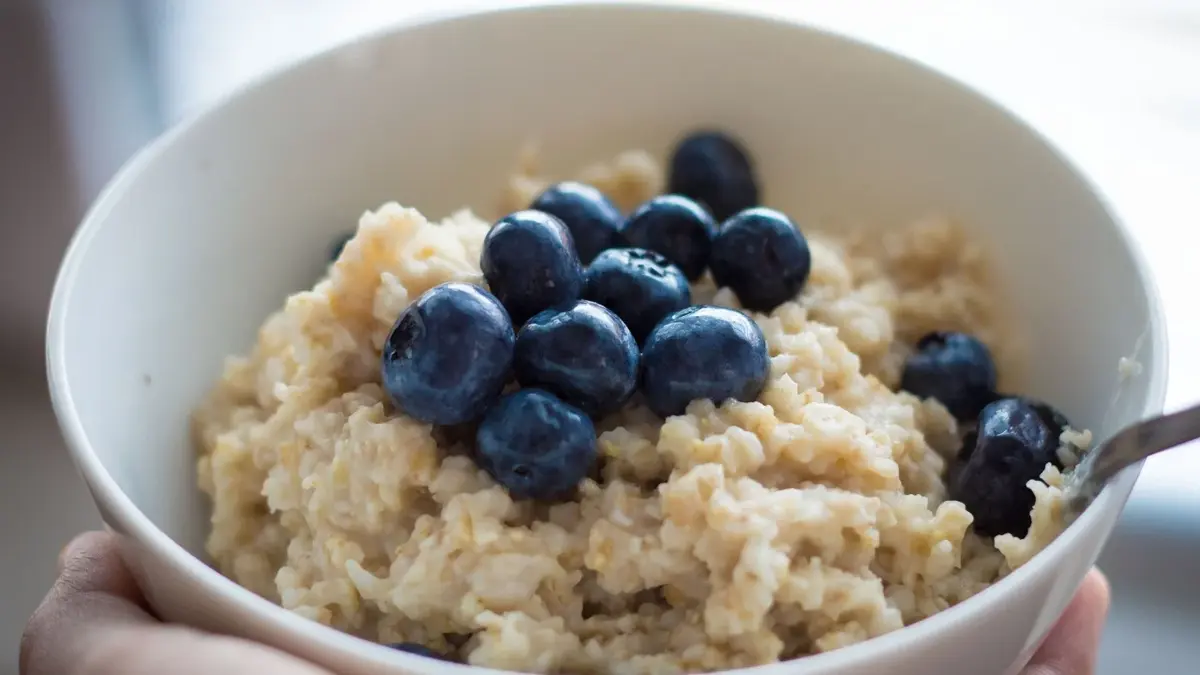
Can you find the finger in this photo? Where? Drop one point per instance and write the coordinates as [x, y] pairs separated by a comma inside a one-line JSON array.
[[1071, 646], [94, 622], [94, 591]]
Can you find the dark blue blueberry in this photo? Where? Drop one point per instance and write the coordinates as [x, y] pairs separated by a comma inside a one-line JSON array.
[[1054, 420], [535, 445], [1012, 449], [581, 353], [715, 170], [953, 368], [676, 227], [335, 251], [419, 650], [703, 352], [761, 256], [640, 286], [592, 218], [968, 444], [449, 355], [529, 262]]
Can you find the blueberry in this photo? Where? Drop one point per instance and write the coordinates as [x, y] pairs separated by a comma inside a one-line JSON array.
[[594, 221], [715, 170], [335, 251], [675, 226], [419, 650], [448, 355], [1011, 450], [703, 352], [761, 255], [953, 368], [1054, 420], [970, 439], [582, 353], [530, 263], [640, 286], [535, 445]]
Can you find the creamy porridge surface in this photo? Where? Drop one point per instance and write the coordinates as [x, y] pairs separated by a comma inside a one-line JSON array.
[[729, 536]]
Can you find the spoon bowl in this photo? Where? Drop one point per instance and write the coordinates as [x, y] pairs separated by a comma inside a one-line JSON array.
[[1127, 448]]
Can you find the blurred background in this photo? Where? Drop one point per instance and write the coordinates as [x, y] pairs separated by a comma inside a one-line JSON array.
[[85, 83]]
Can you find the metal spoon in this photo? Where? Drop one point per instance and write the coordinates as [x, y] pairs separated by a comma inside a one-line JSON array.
[[1125, 448]]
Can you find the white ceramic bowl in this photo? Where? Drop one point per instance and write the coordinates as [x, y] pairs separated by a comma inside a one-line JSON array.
[[206, 231]]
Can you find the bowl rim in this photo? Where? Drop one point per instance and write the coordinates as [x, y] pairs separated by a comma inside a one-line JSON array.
[[272, 618]]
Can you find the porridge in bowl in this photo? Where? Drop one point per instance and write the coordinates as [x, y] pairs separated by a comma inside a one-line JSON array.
[[640, 424]]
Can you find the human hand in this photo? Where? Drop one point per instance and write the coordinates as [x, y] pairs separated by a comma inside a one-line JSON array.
[[1071, 646], [95, 622]]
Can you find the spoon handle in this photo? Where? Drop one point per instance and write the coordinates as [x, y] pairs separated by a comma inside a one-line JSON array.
[[1129, 446]]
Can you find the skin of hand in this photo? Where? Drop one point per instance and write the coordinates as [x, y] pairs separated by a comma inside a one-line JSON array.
[[94, 621], [1071, 646]]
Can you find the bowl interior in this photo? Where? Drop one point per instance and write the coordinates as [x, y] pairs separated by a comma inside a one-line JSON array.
[[209, 230]]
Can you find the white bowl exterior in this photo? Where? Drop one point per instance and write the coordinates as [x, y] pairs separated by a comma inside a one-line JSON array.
[[998, 638], [207, 231]]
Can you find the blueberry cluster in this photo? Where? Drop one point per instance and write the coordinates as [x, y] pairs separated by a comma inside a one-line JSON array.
[[586, 307], [1009, 439]]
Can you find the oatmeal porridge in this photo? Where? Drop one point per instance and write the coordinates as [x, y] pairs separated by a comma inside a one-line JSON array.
[[813, 515]]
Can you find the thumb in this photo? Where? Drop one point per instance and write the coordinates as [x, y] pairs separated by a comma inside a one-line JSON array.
[[94, 621], [1071, 646], [92, 584]]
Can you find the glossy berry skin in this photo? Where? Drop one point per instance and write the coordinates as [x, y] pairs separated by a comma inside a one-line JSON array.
[[714, 169], [676, 227], [530, 264], [1011, 450], [581, 353], [419, 650], [954, 368], [448, 355], [762, 257], [592, 218], [639, 286], [536, 446], [703, 352], [1054, 420]]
